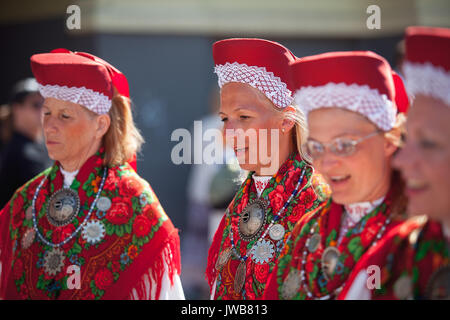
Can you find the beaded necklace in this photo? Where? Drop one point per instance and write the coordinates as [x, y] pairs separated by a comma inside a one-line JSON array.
[[35, 227]]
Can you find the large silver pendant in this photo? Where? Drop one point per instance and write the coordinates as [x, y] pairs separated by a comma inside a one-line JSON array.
[[239, 277], [291, 285], [223, 258], [438, 287], [252, 220], [63, 207], [330, 259], [263, 251], [54, 261]]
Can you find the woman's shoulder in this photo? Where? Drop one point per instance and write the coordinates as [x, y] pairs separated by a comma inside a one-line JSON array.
[[32, 184], [135, 191]]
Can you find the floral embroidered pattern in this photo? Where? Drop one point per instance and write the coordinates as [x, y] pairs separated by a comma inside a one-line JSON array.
[[104, 250], [276, 193]]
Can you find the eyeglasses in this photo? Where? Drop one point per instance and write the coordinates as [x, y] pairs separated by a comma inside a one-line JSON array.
[[342, 147]]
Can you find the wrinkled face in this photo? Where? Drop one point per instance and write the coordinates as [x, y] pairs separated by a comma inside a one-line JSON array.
[[69, 130], [361, 176], [425, 158], [251, 126]]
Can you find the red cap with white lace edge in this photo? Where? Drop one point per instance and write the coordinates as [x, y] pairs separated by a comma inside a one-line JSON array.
[[262, 64], [78, 77], [427, 62], [360, 81]]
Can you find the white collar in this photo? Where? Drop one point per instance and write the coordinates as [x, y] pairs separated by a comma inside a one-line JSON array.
[[261, 183], [68, 177], [356, 211]]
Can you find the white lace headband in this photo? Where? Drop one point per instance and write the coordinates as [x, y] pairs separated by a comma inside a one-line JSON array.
[[259, 78], [427, 79], [358, 98], [94, 101]]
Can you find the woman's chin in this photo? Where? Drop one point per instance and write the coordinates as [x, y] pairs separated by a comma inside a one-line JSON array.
[[247, 167]]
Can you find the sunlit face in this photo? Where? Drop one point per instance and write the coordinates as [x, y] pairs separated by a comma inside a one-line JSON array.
[[246, 108], [425, 158], [361, 176], [69, 130]]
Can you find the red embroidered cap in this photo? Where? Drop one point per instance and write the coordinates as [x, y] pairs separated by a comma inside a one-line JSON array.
[[427, 62], [360, 81], [78, 77], [260, 63]]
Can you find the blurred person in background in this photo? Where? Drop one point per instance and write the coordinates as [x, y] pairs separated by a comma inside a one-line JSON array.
[[267, 133], [413, 259], [23, 155]]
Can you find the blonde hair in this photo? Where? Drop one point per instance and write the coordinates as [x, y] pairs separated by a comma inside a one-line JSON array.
[[122, 140], [301, 129]]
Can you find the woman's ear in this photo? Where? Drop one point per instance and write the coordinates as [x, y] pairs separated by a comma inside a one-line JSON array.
[[103, 123], [287, 123], [392, 141]]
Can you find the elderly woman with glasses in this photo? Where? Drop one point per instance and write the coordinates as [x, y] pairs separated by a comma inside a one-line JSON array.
[[354, 104]]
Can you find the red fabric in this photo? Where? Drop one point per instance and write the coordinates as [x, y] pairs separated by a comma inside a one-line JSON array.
[[401, 96], [213, 252], [256, 52], [396, 245], [78, 69], [359, 67], [428, 44], [156, 242]]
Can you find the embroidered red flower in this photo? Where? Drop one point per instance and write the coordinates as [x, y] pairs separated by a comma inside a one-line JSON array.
[[297, 213], [262, 272], [307, 198], [103, 279], [142, 226], [291, 181], [62, 233], [130, 186], [120, 211], [276, 198]]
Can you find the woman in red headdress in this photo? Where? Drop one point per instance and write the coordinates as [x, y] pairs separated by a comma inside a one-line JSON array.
[[266, 132], [354, 104], [88, 227], [412, 262]]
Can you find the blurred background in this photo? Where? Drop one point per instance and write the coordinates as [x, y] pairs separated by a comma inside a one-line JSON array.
[[164, 49]]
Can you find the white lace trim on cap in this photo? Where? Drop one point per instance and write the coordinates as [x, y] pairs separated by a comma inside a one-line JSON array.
[[259, 78], [358, 98], [94, 101], [427, 79]]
